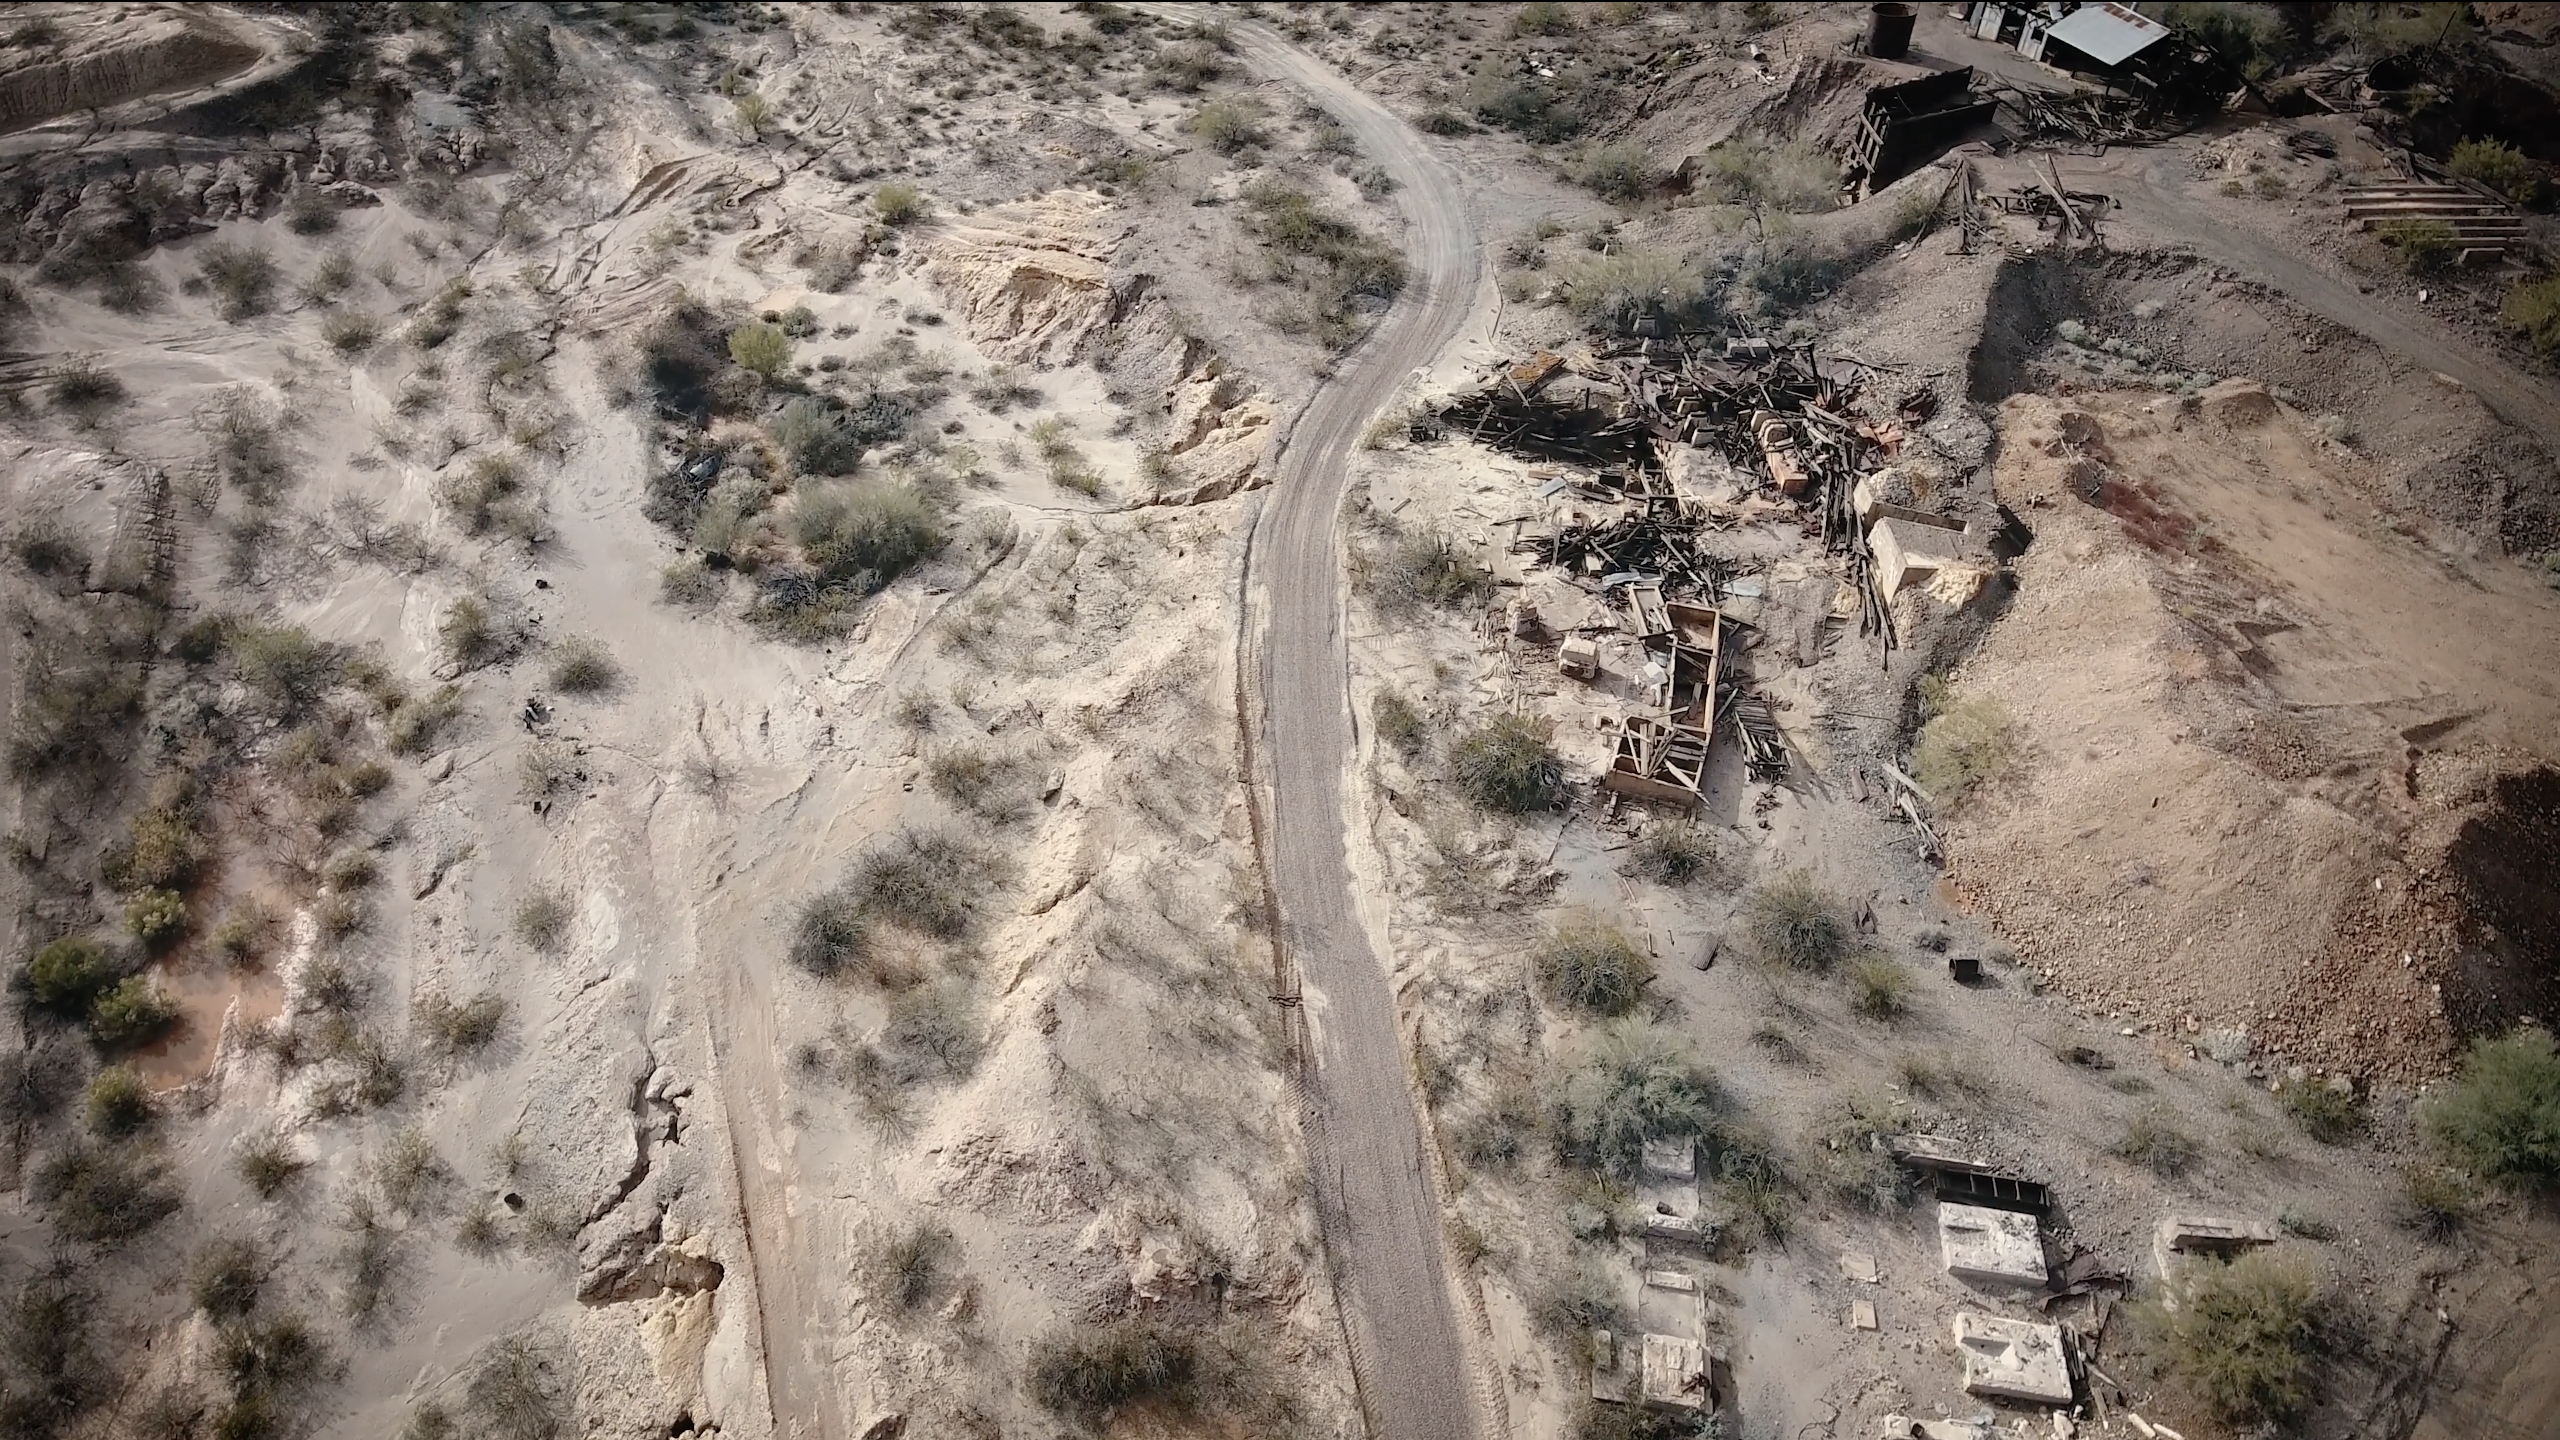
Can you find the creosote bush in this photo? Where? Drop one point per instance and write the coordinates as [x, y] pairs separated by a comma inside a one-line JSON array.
[[898, 203], [1507, 764], [1639, 1082], [761, 348], [1398, 723], [2534, 308], [542, 918], [2501, 1115], [1879, 989], [2425, 246], [1591, 965], [929, 880], [1964, 746], [267, 1163], [2152, 1139], [2243, 1336], [226, 1278], [1088, 1372], [1796, 923], [461, 1027], [2327, 1114], [119, 1104], [832, 934], [131, 1012], [242, 278], [904, 1266], [1671, 854], [1429, 567], [582, 666]]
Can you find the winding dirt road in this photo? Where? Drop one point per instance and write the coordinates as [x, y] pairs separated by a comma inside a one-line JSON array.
[[1374, 1192]]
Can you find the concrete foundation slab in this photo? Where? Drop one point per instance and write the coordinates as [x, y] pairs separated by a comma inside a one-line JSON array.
[[2013, 1360], [1991, 1247]]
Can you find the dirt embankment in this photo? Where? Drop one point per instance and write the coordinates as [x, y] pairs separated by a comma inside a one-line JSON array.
[[2277, 767], [114, 55]]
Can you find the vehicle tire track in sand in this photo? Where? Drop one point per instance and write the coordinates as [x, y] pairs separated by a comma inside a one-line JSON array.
[[1374, 1190]]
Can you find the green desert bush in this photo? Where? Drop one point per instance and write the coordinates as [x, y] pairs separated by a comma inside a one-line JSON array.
[[1793, 175], [1622, 172], [814, 435], [130, 1012], [1639, 1082], [866, 534], [516, 1392], [1671, 854], [1228, 126], [2424, 245], [581, 665], [929, 880], [2243, 1336], [161, 850], [984, 784], [241, 277], [898, 203], [267, 1163], [2435, 1202], [119, 1104], [455, 1028], [1620, 290], [156, 917], [1540, 113], [2534, 308], [1879, 988], [2501, 1115], [68, 973], [85, 390], [1966, 745], [1794, 922], [2326, 1113], [761, 348], [1507, 764], [350, 332], [541, 919], [1591, 965], [1398, 723]]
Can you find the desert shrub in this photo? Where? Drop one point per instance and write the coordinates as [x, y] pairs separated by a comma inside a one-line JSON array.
[[2501, 1114], [831, 934], [515, 1392], [331, 277], [1087, 1372], [1670, 854], [898, 203], [161, 850], [2434, 1201], [132, 1011], [902, 1267], [413, 724], [103, 1195], [1621, 290], [983, 784], [264, 1361], [754, 113], [474, 634], [267, 1163], [1427, 567], [242, 278], [1507, 764], [350, 332], [1790, 272], [54, 1371], [1969, 743], [84, 389], [1441, 120], [1786, 175], [1571, 1303], [1228, 126], [460, 1027], [226, 1277], [1187, 66], [1852, 1159], [1591, 965], [1879, 989], [2326, 1114], [2153, 1140], [2379, 29], [1397, 722], [932, 1033], [155, 917], [488, 494], [1494, 1135], [541, 919], [582, 666], [864, 535], [546, 769], [929, 880], [1533, 111], [2424, 245], [1794, 922], [688, 582], [2243, 1335], [1603, 1420], [68, 973], [284, 667], [1640, 1082], [2534, 308], [118, 1103], [761, 348], [1616, 172], [816, 438], [36, 1080], [409, 1171], [1542, 17], [368, 1259], [46, 546]]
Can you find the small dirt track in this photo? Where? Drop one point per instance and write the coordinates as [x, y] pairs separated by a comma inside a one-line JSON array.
[[1374, 1193]]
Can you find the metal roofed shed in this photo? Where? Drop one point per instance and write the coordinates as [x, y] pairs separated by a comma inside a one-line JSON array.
[[2110, 34]]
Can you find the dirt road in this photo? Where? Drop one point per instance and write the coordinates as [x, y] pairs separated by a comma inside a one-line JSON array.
[[1373, 1193]]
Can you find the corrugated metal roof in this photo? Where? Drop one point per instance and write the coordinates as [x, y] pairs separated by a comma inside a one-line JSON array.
[[2109, 34]]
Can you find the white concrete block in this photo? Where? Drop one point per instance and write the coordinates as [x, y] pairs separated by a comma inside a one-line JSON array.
[[2013, 1360], [1991, 1247]]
